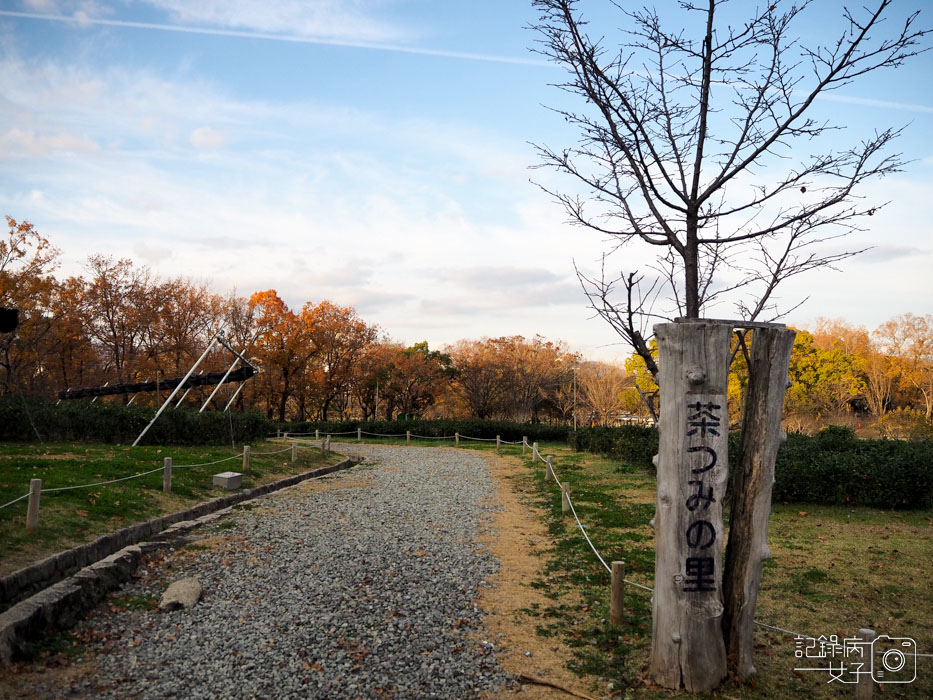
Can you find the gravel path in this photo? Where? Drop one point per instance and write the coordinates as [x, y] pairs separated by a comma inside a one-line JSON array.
[[364, 589]]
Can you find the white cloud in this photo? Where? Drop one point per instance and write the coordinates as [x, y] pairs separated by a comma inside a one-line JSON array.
[[327, 19], [205, 138], [19, 142]]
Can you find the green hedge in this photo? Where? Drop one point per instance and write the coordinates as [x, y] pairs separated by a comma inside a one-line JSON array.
[[487, 429], [832, 467], [82, 421]]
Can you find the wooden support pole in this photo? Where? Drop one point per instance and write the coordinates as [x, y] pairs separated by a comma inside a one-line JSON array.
[[285, 436], [278, 433], [456, 439], [534, 452], [407, 437], [753, 478], [246, 459], [549, 469], [32, 509], [167, 475], [294, 450], [564, 498], [327, 443], [359, 435], [323, 445], [317, 434], [498, 444], [617, 594], [866, 683], [524, 444]]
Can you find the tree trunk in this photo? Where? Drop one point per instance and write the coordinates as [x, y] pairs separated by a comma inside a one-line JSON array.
[[687, 649], [747, 549]]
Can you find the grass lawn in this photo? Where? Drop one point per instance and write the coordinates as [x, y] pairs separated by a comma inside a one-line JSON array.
[[834, 570], [68, 518]]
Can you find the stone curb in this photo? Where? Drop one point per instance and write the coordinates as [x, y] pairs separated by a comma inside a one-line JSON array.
[[102, 565]]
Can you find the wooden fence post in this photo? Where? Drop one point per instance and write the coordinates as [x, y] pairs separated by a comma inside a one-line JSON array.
[[295, 451], [246, 459], [167, 475], [617, 594], [278, 433], [32, 508], [323, 445], [687, 647], [359, 435], [524, 444], [866, 682], [564, 498], [285, 436], [327, 442], [549, 469], [498, 445], [456, 439], [407, 437], [534, 452], [317, 434]]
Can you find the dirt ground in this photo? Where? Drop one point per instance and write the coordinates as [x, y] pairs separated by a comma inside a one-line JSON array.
[[516, 538]]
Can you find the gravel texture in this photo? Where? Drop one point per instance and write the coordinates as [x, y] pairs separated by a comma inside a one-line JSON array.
[[364, 590]]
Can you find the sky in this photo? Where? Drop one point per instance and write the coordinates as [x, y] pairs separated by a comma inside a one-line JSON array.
[[375, 153]]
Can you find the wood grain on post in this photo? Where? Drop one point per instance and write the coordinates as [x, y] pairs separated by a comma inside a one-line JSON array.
[[866, 681], [246, 459], [617, 594], [359, 435], [167, 475], [524, 444], [317, 434], [295, 451], [564, 498], [32, 508], [687, 648], [549, 469], [498, 444], [534, 452], [456, 439], [753, 479]]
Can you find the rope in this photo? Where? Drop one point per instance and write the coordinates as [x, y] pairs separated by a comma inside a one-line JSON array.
[[277, 452], [209, 464], [15, 500], [428, 437], [101, 483], [587, 537]]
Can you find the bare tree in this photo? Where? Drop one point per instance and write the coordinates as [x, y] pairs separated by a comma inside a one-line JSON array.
[[687, 144]]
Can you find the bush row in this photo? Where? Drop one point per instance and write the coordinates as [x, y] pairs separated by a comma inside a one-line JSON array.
[[486, 429], [833, 467], [81, 421]]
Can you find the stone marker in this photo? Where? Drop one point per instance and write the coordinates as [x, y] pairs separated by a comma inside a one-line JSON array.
[[183, 593], [228, 480]]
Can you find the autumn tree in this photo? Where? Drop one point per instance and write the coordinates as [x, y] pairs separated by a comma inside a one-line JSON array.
[[283, 347], [479, 382], [339, 337], [602, 385], [27, 260], [909, 338], [415, 377]]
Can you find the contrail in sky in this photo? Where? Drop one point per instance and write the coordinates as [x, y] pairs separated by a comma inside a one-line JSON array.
[[443, 53]]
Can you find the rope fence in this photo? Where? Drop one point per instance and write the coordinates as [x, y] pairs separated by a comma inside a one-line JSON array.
[[616, 595]]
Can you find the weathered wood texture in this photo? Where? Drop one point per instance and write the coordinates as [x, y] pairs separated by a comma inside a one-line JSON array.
[[687, 648], [753, 479]]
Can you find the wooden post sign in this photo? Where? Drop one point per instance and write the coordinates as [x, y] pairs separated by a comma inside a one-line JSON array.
[[688, 650]]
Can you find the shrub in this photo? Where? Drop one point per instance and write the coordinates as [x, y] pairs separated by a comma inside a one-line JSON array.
[[832, 467], [80, 421]]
